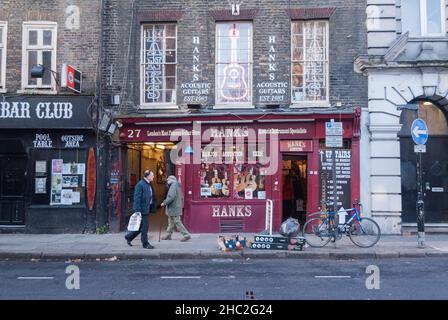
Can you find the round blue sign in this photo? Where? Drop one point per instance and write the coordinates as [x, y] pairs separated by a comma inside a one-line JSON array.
[[419, 131]]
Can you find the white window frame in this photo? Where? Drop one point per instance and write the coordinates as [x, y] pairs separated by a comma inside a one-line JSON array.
[[156, 105], [4, 46], [424, 19], [302, 104], [39, 25], [235, 105]]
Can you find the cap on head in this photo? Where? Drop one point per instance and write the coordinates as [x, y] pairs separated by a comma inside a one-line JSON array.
[[147, 173]]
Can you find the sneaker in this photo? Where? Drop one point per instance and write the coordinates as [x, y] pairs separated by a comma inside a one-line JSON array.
[[167, 237], [186, 238]]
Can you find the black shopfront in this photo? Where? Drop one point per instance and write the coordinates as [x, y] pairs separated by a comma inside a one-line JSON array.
[[45, 144]]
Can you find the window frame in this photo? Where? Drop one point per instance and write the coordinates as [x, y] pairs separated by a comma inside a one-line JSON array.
[[39, 26], [4, 46], [235, 105], [310, 103], [424, 20], [156, 105]]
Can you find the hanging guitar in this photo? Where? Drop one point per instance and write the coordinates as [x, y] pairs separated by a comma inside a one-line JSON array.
[[234, 86]]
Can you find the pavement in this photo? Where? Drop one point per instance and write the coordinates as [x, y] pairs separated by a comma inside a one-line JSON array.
[[111, 247]]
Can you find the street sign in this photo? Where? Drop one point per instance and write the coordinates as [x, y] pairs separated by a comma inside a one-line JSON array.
[[333, 129], [334, 142], [419, 132], [420, 148]]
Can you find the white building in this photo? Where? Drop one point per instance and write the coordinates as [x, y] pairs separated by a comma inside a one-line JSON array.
[[406, 63]]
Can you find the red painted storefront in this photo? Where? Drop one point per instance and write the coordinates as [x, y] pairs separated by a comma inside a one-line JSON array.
[[298, 134]]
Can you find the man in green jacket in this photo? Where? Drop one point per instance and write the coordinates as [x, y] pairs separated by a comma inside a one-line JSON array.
[[174, 203]]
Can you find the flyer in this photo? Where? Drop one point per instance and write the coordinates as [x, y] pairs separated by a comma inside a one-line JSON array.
[[41, 167], [70, 181], [41, 186], [56, 165], [248, 194], [206, 192], [56, 182], [55, 197], [67, 197], [76, 197]]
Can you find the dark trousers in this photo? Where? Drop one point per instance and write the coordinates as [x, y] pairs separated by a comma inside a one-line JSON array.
[[144, 227]]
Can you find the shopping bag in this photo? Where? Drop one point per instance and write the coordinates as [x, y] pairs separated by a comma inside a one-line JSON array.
[[134, 222]]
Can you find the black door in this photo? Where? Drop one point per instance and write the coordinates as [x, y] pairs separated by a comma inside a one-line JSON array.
[[12, 190], [435, 180]]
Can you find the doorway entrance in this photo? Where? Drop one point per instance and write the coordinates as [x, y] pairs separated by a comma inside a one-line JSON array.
[[295, 193], [434, 165], [12, 190], [154, 157]]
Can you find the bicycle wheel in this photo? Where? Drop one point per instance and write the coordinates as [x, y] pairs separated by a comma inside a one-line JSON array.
[[316, 232], [364, 234]]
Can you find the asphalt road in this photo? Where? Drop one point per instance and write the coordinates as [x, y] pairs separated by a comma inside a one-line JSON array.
[[420, 278]]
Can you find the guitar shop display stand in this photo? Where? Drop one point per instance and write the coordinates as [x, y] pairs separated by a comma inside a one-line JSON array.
[[269, 241]]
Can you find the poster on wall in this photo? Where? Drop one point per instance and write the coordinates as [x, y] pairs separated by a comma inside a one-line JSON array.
[[55, 197], [76, 197], [70, 181], [41, 186], [67, 197], [248, 193], [206, 192], [56, 165], [41, 167]]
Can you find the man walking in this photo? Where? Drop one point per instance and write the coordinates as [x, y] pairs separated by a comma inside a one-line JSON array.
[[144, 202], [174, 203]]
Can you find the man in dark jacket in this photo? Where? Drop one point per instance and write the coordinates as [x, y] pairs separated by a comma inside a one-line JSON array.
[[144, 202]]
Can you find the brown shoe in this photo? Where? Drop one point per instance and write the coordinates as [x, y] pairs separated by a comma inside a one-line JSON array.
[[167, 237], [186, 238]]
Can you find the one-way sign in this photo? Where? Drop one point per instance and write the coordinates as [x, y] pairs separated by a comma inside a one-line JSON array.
[[419, 132]]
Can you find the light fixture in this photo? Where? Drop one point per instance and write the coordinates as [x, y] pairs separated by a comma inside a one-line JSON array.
[[429, 91], [38, 72], [160, 146], [151, 144]]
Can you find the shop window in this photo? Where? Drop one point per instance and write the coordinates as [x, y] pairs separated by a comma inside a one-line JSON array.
[[234, 173], [423, 17], [3, 38], [59, 177], [234, 63], [39, 48], [159, 65], [309, 66]]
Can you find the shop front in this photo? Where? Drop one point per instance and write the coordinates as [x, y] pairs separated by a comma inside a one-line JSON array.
[[229, 165], [47, 171]]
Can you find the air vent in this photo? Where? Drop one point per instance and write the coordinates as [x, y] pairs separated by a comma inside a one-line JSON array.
[[231, 225]]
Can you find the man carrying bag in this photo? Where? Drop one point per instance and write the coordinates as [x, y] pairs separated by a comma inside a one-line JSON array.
[[144, 202]]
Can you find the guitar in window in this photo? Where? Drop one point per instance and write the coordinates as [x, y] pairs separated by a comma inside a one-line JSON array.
[[234, 86]]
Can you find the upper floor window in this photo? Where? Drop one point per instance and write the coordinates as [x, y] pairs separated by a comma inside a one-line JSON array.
[[39, 48], [234, 63], [158, 64], [3, 37], [423, 17], [309, 61]]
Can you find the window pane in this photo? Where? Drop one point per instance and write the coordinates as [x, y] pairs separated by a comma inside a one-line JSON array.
[[249, 182], [160, 68], [309, 78], [32, 61], [47, 37], [214, 181], [46, 61], [170, 31], [410, 17], [434, 16], [1, 37], [233, 58], [32, 38]]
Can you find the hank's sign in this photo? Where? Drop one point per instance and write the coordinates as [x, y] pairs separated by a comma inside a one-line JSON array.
[[46, 112], [296, 146]]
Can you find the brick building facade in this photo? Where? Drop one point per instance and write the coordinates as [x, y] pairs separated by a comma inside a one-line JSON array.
[[46, 131], [268, 66]]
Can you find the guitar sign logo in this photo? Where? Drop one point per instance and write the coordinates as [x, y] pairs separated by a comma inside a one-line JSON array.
[[234, 86]]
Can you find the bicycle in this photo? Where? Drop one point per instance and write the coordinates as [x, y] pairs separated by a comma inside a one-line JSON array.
[[363, 232]]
